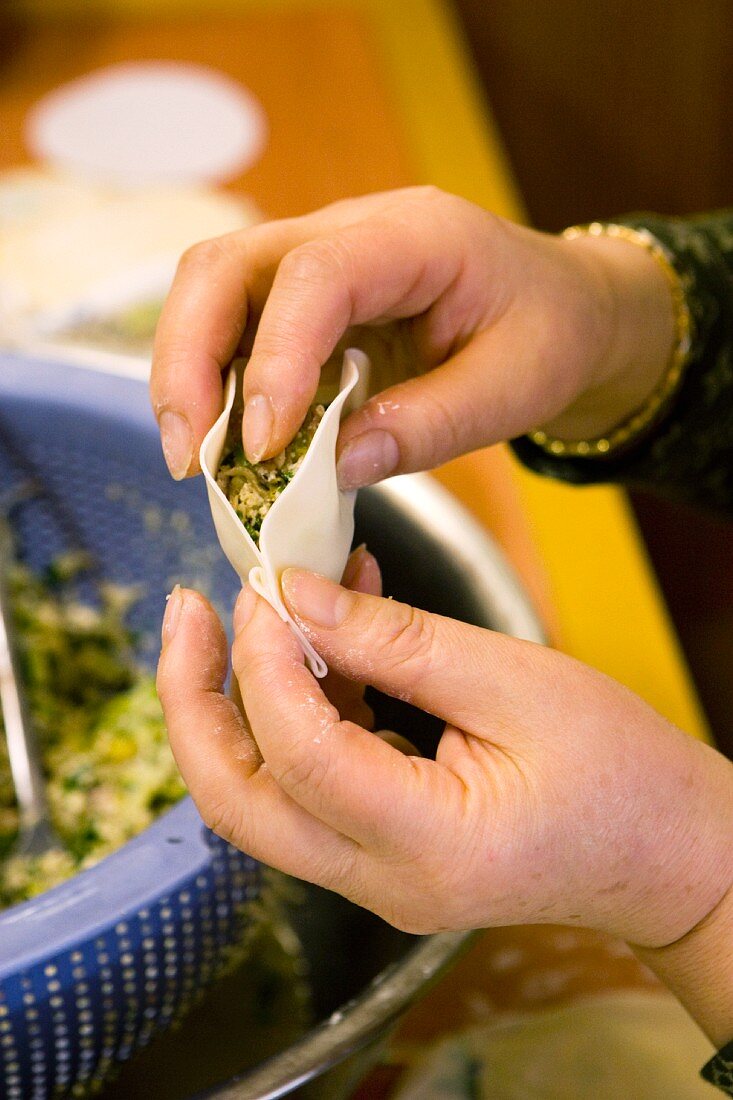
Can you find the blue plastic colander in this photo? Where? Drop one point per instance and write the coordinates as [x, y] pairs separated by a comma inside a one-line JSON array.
[[90, 970]]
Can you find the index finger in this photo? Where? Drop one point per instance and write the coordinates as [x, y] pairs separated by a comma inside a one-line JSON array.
[[369, 272], [219, 290], [198, 334]]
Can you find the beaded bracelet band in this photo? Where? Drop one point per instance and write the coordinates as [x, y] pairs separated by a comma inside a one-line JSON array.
[[641, 419]]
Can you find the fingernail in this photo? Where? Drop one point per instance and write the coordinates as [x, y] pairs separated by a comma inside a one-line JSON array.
[[257, 426], [367, 459], [177, 440], [172, 615], [315, 598], [244, 608]]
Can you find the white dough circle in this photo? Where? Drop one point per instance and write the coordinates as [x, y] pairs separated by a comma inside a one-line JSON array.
[[149, 122]]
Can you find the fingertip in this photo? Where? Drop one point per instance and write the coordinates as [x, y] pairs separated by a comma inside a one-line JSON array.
[[261, 637], [191, 630], [316, 599], [353, 567], [179, 606], [367, 459], [172, 615], [257, 426], [244, 608], [279, 385], [362, 572], [273, 414], [176, 439]]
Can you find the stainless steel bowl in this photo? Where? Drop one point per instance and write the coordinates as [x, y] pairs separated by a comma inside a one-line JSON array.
[[363, 973]]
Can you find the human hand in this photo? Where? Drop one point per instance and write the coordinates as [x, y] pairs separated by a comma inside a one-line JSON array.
[[505, 330], [556, 795]]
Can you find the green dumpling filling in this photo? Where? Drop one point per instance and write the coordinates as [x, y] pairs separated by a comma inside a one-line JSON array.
[[108, 766], [253, 487]]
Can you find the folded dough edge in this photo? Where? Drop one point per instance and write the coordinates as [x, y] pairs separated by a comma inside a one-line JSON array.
[[310, 525]]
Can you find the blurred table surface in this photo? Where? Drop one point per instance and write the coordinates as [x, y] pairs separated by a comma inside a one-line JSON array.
[[364, 95]]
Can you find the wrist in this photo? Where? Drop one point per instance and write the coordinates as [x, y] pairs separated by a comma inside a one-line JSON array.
[[698, 968], [692, 899], [639, 326]]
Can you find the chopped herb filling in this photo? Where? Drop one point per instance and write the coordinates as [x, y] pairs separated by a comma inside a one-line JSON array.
[[100, 728], [252, 488]]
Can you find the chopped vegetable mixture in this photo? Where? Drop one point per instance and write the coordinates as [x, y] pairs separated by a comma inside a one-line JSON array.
[[100, 727], [253, 488], [130, 331]]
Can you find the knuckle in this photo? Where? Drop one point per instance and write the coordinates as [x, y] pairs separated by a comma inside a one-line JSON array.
[[285, 342], [257, 237], [428, 906], [443, 205], [457, 214], [340, 871], [404, 637], [440, 431], [205, 255], [222, 818], [251, 663], [414, 924], [316, 261], [414, 916], [304, 771], [172, 366], [431, 195], [173, 352], [307, 766], [446, 421]]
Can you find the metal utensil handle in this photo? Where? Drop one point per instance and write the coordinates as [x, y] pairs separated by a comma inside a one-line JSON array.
[[25, 766]]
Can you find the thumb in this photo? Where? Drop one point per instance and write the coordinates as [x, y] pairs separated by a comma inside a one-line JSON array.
[[501, 384], [446, 667]]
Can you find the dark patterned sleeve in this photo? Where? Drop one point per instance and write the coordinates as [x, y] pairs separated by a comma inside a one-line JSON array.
[[688, 453], [719, 1070]]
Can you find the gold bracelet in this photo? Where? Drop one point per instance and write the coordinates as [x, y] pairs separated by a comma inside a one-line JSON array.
[[625, 432]]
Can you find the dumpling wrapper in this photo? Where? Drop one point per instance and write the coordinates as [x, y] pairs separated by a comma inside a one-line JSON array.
[[310, 525]]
